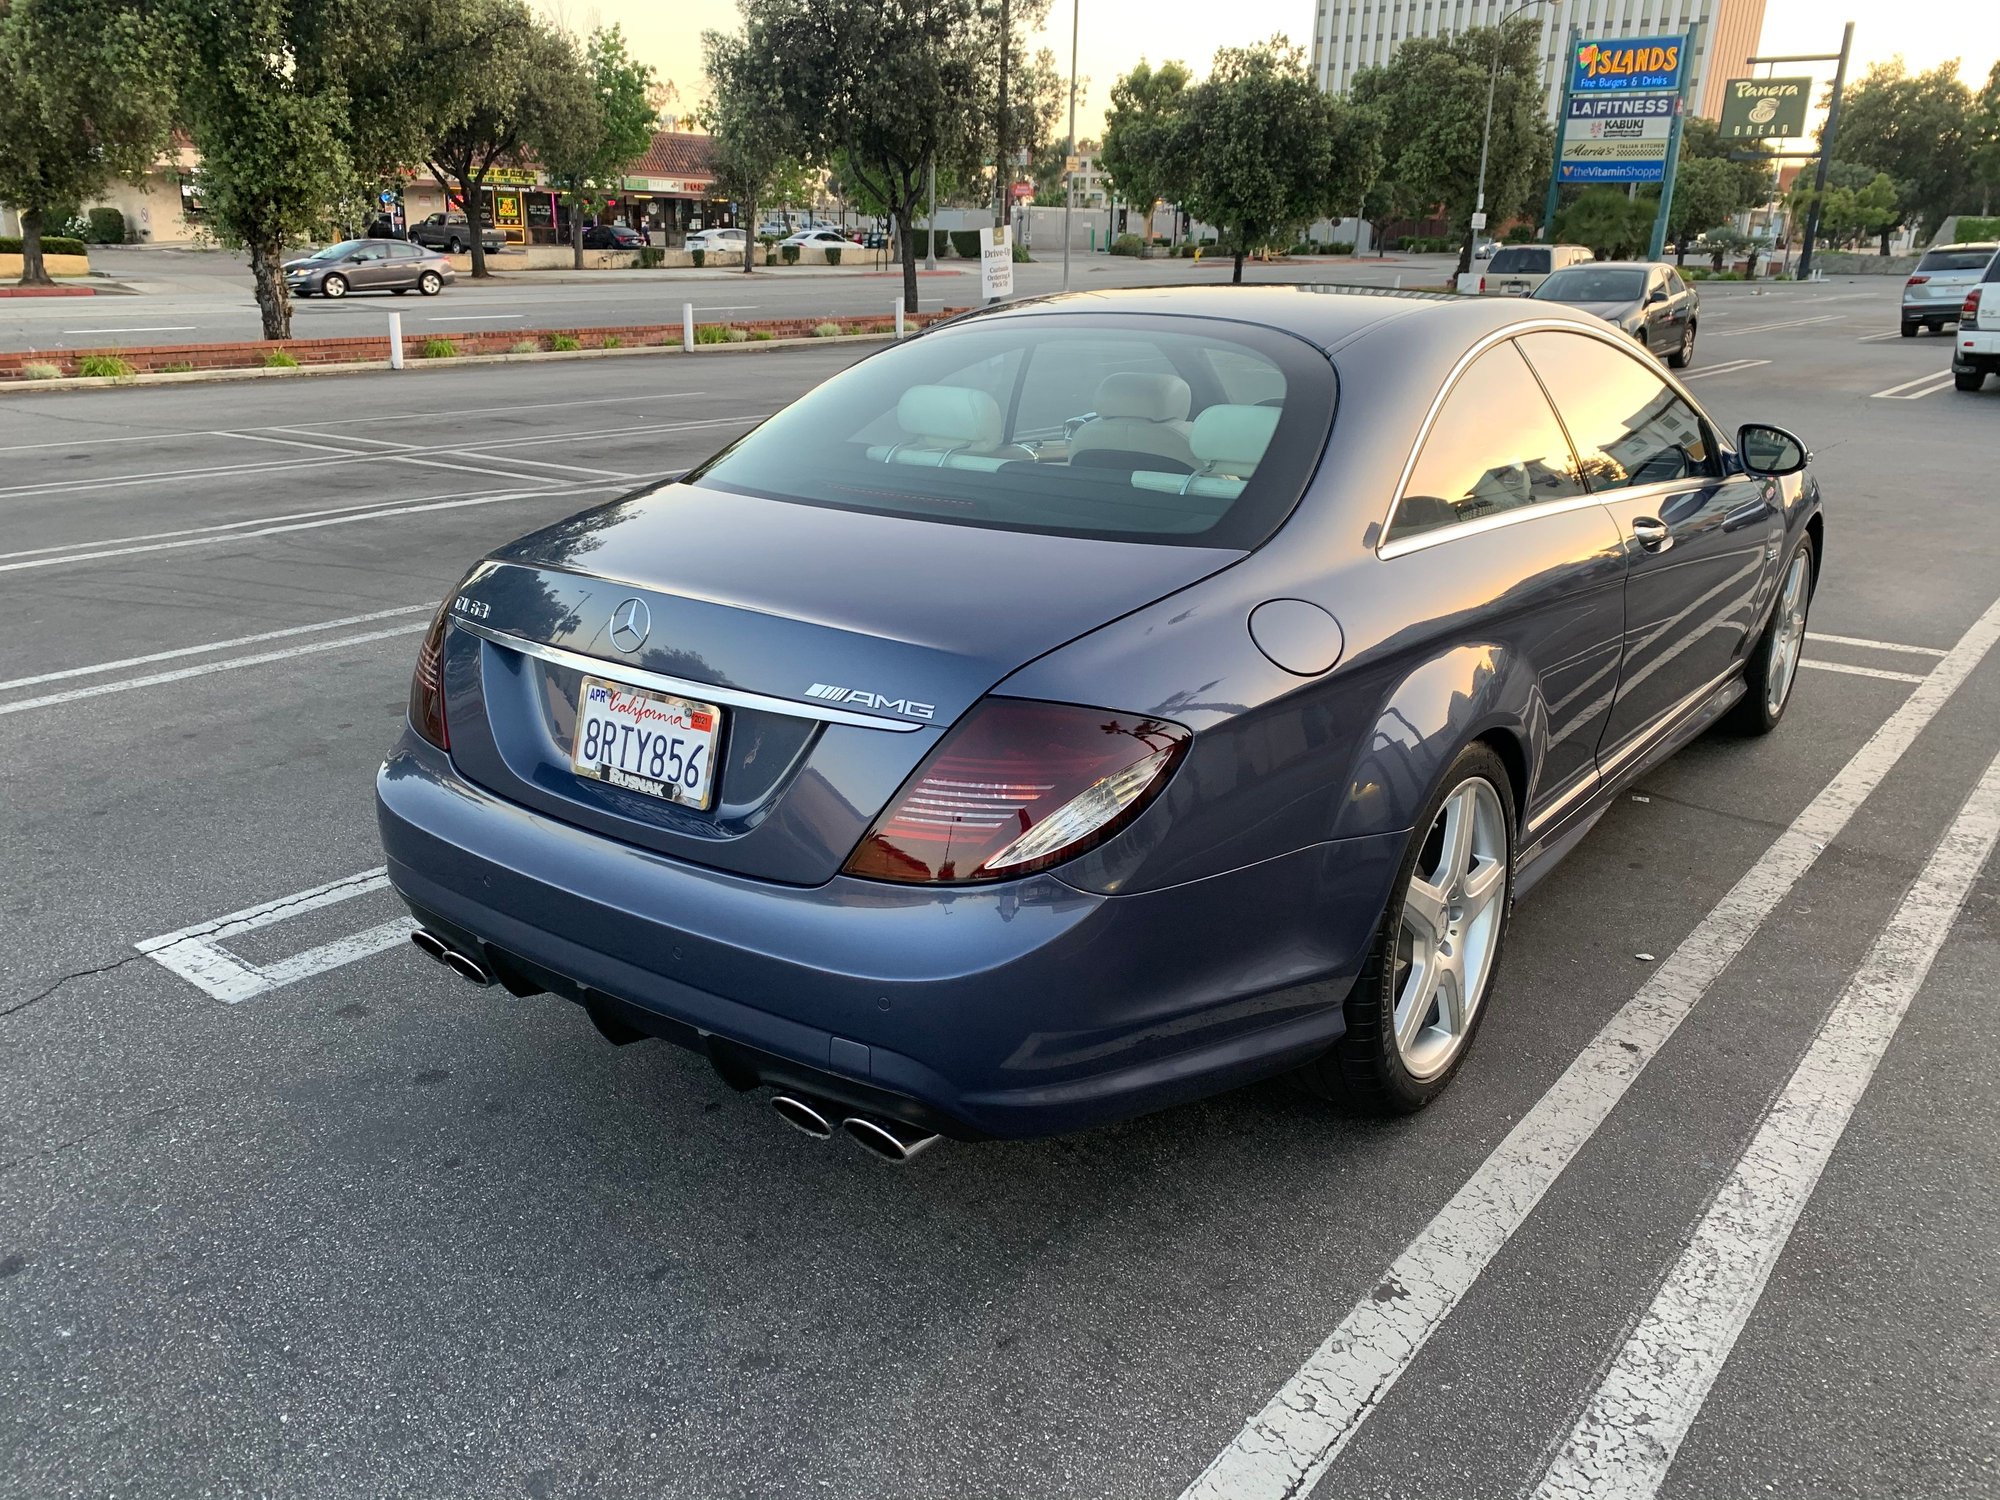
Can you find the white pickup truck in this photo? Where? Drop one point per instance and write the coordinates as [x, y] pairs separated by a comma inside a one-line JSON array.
[[1975, 350]]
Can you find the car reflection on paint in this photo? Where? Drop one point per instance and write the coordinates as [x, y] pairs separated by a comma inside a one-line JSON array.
[[1098, 702]]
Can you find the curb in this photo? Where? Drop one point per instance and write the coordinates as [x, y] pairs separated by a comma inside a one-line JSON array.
[[457, 361], [48, 291]]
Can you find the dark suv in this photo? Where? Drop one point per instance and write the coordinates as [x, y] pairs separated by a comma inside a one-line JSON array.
[[451, 232]]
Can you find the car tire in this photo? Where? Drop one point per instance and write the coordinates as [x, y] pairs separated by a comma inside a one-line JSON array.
[[1968, 380], [1389, 1063], [1773, 667], [335, 285], [1682, 357], [430, 283], [455, 245], [1910, 330]]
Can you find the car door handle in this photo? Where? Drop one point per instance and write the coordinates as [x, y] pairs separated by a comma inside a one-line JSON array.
[[1651, 533]]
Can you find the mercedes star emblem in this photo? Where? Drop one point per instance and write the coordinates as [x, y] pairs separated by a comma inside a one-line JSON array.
[[630, 624]]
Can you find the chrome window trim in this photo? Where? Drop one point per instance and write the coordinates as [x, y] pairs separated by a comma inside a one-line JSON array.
[[1386, 549], [681, 687]]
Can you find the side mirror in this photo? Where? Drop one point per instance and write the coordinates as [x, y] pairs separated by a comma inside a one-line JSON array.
[[1657, 294], [1770, 450]]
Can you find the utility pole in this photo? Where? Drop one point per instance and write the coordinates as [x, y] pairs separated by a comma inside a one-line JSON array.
[[930, 221], [1486, 137], [1003, 174], [1069, 153]]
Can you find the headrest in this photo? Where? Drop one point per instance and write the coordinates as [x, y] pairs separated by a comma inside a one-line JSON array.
[[1232, 439], [950, 415], [1152, 398]]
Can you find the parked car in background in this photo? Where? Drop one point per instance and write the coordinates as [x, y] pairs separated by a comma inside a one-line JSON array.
[[451, 233], [612, 237], [717, 241], [1484, 250], [822, 238], [1516, 270], [1076, 710], [368, 266], [1936, 289], [1976, 351], [1647, 299]]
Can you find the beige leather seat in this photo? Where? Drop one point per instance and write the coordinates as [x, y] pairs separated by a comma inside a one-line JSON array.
[[949, 427], [1141, 420]]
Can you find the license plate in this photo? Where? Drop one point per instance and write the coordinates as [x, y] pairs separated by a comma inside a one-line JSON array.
[[1514, 286], [646, 742]]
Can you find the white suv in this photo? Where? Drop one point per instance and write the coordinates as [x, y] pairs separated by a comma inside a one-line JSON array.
[[1976, 348]]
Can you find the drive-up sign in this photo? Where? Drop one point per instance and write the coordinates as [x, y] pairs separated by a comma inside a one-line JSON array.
[[996, 262]]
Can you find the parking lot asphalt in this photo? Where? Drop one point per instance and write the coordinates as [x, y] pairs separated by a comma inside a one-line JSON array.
[[360, 1229]]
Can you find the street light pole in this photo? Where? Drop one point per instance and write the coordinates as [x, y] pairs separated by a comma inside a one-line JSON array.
[[1069, 154], [1486, 136]]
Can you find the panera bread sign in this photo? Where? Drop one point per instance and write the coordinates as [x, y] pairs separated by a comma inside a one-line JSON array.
[[1755, 109]]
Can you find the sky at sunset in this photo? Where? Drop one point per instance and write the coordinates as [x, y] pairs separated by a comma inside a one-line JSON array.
[[1114, 34]]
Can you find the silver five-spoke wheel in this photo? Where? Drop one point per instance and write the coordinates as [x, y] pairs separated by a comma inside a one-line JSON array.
[[1789, 635], [1450, 929]]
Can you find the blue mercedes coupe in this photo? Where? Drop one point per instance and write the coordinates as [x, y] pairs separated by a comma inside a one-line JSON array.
[[1097, 702]]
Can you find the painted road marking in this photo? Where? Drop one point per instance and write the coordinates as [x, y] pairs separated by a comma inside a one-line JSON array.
[[197, 955], [1737, 333], [204, 649], [1876, 338], [1643, 1407], [1284, 1449], [1728, 367], [345, 519], [1932, 383], [159, 328], [1841, 666], [1861, 640], [478, 318]]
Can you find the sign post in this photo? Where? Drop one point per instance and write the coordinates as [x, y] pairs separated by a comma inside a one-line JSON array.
[[1555, 166], [996, 262], [1659, 242]]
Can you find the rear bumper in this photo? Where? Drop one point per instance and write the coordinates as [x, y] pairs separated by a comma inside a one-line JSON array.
[[1932, 312], [1020, 1009]]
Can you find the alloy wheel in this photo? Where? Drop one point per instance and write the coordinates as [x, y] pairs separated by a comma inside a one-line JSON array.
[[1788, 636], [334, 286], [1450, 928]]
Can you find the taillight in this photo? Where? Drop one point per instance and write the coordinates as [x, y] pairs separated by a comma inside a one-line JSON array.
[[1916, 281], [1968, 315], [1017, 786], [427, 683]]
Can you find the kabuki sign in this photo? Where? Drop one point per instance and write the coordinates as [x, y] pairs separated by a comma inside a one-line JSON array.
[[1617, 139]]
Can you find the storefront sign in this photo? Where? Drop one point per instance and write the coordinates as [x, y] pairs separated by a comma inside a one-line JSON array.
[[1617, 137], [511, 177], [996, 262], [1756, 109], [692, 187], [1622, 67]]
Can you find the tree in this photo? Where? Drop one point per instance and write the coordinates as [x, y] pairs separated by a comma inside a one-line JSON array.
[[757, 147], [1611, 224], [892, 86], [1856, 203], [1138, 131], [1920, 130], [1985, 153], [1702, 140], [497, 77], [1433, 91], [1707, 193], [584, 151], [1258, 150], [85, 96], [269, 92]]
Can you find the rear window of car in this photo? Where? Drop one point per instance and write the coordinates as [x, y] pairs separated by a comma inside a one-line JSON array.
[[1957, 260], [1126, 428], [1581, 284], [1530, 262]]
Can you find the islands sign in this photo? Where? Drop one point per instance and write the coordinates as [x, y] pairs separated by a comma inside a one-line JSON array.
[[1652, 65]]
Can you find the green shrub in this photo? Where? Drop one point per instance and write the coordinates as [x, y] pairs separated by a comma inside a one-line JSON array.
[[564, 343], [790, 254], [612, 341], [761, 335], [177, 367], [833, 255], [1336, 247], [965, 243], [711, 333], [437, 349], [278, 359], [826, 330], [1127, 244], [107, 227], [1973, 227], [524, 346], [650, 259], [740, 335], [1021, 256], [700, 257], [1520, 234], [770, 255], [104, 366], [40, 371], [52, 244], [768, 240]]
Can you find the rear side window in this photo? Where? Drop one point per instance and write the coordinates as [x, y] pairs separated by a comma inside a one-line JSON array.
[[1494, 447], [1520, 261], [1993, 269], [1629, 426], [1956, 260], [1154, 429]]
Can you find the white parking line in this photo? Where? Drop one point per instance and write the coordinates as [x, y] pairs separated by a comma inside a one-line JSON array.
[[478, 318], [1861, 640], [1876, 338], [195, 953], [208, 646], [1932, 384], [1284, 1449], [1841, 666], [158, 328], [1727, 367], [181, 674], [1735, 333], [1642, 1409]]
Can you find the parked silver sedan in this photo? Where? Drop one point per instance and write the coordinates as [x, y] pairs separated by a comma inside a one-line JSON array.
[[1936, 290], [1647, 299], [368, 266]]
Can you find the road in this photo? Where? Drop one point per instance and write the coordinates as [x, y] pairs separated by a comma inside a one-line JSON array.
[[191, 297], [369, 1231]]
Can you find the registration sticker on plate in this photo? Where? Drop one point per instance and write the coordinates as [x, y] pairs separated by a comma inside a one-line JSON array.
[[646, 742]]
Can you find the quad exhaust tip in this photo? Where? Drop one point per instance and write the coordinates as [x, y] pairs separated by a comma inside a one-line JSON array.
[[803, 1117], [891, 1140], [433, 946]]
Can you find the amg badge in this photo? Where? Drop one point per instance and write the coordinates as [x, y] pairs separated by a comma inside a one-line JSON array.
[[828, 692]]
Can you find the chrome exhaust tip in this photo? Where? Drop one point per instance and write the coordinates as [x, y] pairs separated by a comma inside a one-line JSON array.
[[891, 1140], [429, 944], [802, 1117], [466, 969]]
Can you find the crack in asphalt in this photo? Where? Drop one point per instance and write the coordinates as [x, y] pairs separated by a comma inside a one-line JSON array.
[[37, 999]]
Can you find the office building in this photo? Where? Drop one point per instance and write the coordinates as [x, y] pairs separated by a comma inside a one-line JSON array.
[[1349, 35]]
